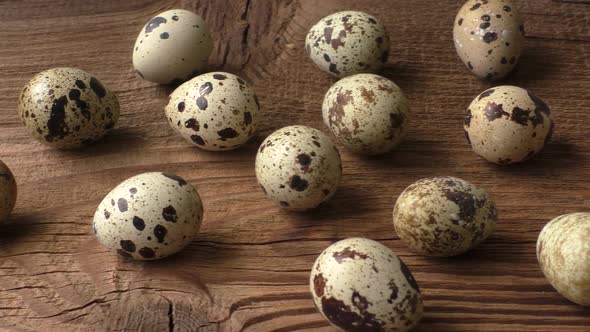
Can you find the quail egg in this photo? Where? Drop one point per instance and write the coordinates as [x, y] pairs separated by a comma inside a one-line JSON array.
[[443, 216], [563, 252], [214, 111], [7, 192], [67, 108], [298, 167], [507, 124], [172, 47], [367, 113], [359, 284], [347, 43], [489, 37], [149, 216]]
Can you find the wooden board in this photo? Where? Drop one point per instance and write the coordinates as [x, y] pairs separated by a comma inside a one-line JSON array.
[[248, 270]]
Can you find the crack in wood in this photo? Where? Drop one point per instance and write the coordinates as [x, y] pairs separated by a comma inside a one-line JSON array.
[[245, 33], [171, 317]]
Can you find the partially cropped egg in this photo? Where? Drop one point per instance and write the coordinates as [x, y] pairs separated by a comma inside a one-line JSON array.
[[507, 124], [67, 108], [172, 47], [489, 37], [348, 42], [359, 284], [149, 216], [298, 167], [367, 113], [8, 192], [563, 252], [443, 216], [215, 111]]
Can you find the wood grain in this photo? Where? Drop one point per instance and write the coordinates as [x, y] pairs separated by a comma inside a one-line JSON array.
[[248, 270]]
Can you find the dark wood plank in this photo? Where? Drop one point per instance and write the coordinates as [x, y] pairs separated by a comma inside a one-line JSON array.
[[249, 267]]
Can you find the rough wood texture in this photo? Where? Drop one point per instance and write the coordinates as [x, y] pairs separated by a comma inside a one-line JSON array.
[[248, 269]]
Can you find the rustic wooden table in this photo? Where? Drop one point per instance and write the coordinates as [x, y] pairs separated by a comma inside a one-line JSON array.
[[248, 269]]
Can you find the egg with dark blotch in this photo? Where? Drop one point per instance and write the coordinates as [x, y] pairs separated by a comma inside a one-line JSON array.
[[298, 167], [172, 47], [563, 252], [489, 37], [443, 216], [359, 284], [8, 192], [149, 216], [67, 108], [507, 124], [216, 111], [348, 42], [367, 113]]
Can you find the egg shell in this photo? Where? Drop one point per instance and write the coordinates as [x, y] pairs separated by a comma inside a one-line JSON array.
[[348, 42], [299, 167], [214, 111], [367, 113], [8, 192], [67, 108], [443, 216], [149, 216], [563, 252], [489, 37], [172, 47], [507, 124], [359, 284]]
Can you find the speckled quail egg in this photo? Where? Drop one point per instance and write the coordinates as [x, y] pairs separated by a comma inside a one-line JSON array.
[[298, 167], [563, 251], [172, 47], [443, 216], [7, 192], [489, 37], [149, 216], [67, 108], [359, 284], [367, 113], [507, 124], [214, 111], [347, 43]]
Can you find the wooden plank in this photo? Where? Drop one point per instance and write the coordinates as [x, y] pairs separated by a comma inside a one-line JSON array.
[[249, 267]]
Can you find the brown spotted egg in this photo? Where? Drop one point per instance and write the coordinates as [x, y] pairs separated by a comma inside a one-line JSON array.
[[149, 216], [443, 216], [214, 111], [367, 113], [489, 36], [563, 252], [67, 108], [359, 284], [298, 167], [507, 124], [172, 47], [347, 43], [8, 192]]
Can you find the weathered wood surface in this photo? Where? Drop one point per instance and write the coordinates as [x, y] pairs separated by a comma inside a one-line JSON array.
[[248, 269]]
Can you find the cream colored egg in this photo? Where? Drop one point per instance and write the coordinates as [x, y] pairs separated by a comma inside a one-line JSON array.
[[298, 167], [172, 47], [367, 113], [67, 108], [443, 216], [489, 37], [348, 42], [149, 216], [214, 111], [8, 192], [359, 284], [563, 252], [507, 124]]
